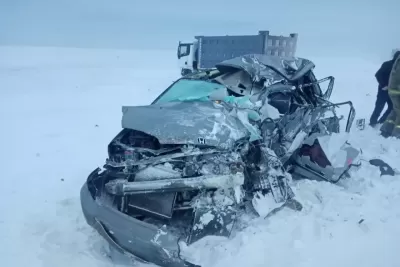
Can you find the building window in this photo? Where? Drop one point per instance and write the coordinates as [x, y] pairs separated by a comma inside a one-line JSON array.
[[276, 52], [284, 43], [283, 53], [269, 42], [277, 42]]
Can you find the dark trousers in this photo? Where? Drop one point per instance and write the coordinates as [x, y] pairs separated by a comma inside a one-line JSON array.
[[382, 98]]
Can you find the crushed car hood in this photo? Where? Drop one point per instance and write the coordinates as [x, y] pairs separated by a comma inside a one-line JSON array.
[[192, 122], [269, 67]]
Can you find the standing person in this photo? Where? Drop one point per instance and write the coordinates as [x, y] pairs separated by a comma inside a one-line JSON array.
[[391, 126], [382, 98]]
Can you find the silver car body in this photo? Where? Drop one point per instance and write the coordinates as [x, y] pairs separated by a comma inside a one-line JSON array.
[[215, 122]]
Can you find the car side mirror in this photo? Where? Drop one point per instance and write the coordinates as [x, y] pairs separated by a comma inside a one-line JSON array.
[[219, 94]]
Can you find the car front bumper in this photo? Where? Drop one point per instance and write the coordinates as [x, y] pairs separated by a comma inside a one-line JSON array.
[[139, 240]]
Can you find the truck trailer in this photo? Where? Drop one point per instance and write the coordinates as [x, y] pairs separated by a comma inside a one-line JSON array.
[[206, 51]]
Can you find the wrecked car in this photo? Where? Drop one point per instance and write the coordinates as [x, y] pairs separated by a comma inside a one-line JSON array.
[[185, 166]]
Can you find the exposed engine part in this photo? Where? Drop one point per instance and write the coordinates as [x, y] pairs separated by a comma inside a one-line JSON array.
[[122, 187]]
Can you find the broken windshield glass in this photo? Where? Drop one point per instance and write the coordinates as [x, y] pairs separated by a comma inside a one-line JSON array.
[[187, 89]]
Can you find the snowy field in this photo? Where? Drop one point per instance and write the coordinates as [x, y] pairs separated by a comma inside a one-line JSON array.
[[60, 107]]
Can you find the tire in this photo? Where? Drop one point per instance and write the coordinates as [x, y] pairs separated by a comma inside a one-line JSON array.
[[185, 72]]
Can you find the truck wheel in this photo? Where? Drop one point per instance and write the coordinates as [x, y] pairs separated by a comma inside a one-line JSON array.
[[185, 72]]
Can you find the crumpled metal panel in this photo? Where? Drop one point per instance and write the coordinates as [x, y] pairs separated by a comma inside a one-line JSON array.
[[269, 67], [190, 123]]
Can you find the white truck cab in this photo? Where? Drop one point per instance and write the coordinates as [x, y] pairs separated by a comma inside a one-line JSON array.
[[188, 57]]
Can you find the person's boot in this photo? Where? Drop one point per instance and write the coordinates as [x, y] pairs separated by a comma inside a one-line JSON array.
[[387, 128], [375, 126], [396, 132]]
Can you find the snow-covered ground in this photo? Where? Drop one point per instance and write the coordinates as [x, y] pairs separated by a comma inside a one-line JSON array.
[[60, 107]]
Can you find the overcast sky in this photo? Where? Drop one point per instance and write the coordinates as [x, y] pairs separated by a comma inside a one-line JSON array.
[[334, 27]]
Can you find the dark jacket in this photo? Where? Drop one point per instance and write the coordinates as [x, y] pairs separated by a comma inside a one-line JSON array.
[[383, 74]]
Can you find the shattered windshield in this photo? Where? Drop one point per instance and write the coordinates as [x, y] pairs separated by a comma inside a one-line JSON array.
[[188, 89]]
